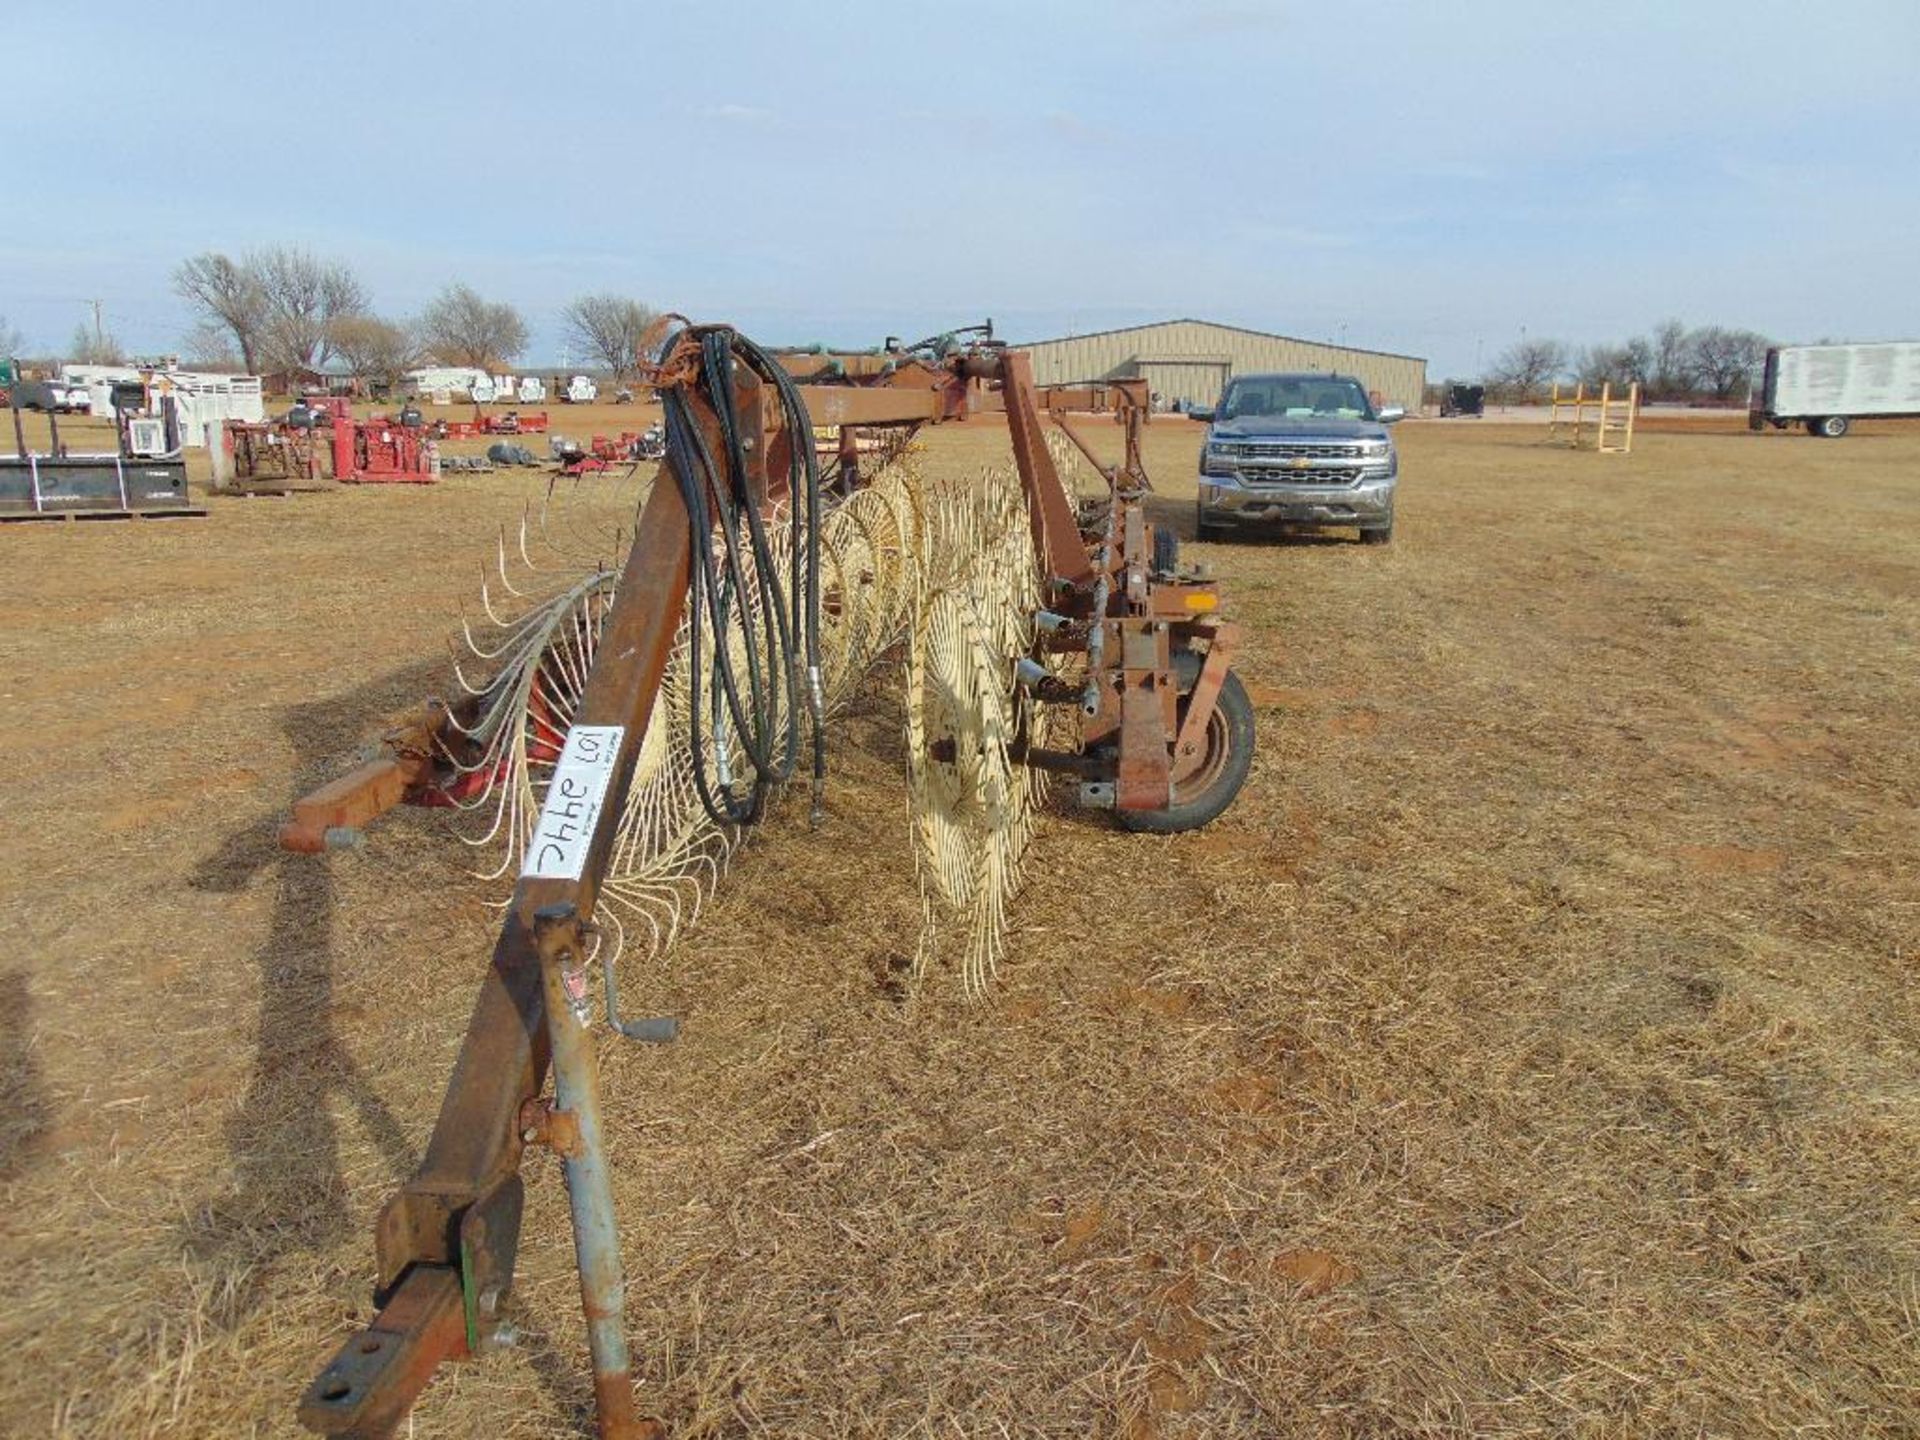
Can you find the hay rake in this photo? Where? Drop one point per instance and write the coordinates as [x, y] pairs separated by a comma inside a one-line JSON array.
[[622, 728]]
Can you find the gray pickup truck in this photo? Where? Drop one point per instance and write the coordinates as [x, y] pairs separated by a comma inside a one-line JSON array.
[[1297, 450]]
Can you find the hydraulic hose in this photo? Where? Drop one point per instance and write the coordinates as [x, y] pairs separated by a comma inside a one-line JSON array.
[[732, 559]]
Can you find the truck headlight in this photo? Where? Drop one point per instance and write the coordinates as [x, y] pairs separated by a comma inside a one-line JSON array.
[[1375, 449], [1216, 459]]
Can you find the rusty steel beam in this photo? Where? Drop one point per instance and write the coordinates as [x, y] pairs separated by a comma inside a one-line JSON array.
[[1056, 532], [1189, 746], [875, 405], [332, 814], [1146, 680], [371, 1383], [1130, 403], [1095, 397], [888, 367], [1072, 432], [503, 1059], [1143, 780]]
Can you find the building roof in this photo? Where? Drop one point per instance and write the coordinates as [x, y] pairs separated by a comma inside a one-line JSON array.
[[1215, 324]]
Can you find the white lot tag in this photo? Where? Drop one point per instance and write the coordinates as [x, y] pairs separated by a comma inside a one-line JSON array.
[[558, 849]]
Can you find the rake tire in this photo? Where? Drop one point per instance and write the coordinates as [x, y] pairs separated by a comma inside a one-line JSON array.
[[1206, 793]]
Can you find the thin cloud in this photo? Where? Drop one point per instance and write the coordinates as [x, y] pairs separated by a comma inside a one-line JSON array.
[[1069, 126], [1213, 20], [735, 114]]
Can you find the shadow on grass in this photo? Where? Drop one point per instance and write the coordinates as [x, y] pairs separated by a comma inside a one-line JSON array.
[[289, 1195], [23, 1089], [288, 1191]]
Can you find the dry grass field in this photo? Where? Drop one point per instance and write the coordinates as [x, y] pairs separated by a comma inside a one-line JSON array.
[[1533, 1050]]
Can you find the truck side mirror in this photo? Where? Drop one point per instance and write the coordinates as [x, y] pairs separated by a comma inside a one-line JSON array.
[[1203, 413], [1392, 413]]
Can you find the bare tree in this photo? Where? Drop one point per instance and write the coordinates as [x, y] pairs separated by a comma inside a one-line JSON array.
[[1636, 358], [210, 346], [1673, 373], [610, 328], [94, 348], [1724, 359], [276, 304], [378, 351], [460, 328], [304, 297], [1521, 370], [1616, 365], [1599, 365], [229, 297]]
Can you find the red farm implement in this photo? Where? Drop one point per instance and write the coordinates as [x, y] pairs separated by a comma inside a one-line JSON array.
[[512, 422], [1101, 659], [381, 451]]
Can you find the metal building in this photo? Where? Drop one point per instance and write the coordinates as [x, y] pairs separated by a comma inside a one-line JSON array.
[[1191, 359]]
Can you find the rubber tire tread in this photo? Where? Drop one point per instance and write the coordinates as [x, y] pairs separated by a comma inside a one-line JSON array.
[[1237, 708]]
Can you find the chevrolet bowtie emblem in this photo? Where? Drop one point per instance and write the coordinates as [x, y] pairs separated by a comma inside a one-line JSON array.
[[1299, 462]]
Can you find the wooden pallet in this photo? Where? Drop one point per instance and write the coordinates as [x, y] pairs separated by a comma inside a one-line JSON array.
[[268, 491], [185, 512]]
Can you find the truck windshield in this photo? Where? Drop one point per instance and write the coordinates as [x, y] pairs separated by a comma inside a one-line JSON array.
[[1295, 397]]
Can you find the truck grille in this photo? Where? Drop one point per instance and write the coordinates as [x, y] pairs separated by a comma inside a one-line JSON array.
[[1299, 450], [1320, 475]]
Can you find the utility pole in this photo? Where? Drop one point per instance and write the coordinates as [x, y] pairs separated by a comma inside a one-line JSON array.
[[99, 332]]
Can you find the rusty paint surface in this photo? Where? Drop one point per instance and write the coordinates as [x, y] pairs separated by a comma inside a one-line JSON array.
[[1055, 530], [1143, 781], [374, 1379], [349, 802], [1190, 746], [872, 405]]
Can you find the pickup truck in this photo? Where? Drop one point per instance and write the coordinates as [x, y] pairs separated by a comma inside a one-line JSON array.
[[1299, 449], [55, 396]]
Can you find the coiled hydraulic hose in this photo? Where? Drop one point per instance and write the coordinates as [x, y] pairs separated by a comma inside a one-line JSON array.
[[762, 707]]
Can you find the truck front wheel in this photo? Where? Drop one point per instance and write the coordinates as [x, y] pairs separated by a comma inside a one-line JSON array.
[[1830, 427], [1203, 528]]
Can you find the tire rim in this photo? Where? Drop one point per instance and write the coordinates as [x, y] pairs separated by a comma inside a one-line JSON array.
[[1213, 762]]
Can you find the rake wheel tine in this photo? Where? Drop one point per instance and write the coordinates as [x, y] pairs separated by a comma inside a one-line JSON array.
[[500, 564]]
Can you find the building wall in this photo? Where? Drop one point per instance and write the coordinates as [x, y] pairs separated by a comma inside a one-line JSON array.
[[1188, 359]]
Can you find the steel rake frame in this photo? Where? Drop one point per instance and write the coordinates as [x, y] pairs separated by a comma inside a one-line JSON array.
[[446, 1242]]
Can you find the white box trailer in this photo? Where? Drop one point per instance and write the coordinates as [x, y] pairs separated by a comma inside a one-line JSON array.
[[204, 398], [447, 380], [1826, 387]]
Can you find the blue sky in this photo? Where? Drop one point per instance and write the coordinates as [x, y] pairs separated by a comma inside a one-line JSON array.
[[1413, 177]]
